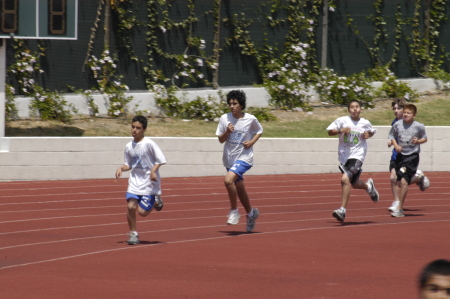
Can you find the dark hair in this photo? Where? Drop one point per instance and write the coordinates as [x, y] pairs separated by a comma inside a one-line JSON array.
[[400, 102], [238, 95], [411, 107], [141, 119], [437, 267], [353, 101]]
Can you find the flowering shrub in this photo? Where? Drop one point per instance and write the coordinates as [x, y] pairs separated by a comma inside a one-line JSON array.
[[341, 89], [11, 111], [442, 76], [288, 81], [45, 104], [50, 105], [206, 108], [108, 83], [391, 87]]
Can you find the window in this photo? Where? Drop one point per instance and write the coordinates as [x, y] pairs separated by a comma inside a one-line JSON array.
[[57, 17], [9, 16]]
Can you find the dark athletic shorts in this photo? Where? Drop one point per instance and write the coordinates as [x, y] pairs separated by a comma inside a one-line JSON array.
[[391, 165], [406, 166], [352, 169]]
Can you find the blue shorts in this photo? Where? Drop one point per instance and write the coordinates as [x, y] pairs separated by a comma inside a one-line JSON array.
[[146, 202], [240, 167]]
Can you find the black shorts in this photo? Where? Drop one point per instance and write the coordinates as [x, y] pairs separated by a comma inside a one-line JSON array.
[[352, 169], [392, 164], [406, 166]]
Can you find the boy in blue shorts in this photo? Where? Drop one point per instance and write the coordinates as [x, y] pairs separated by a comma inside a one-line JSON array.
[[143, 157], [353, 132], [239, 131], [406, 136], [420, 179]]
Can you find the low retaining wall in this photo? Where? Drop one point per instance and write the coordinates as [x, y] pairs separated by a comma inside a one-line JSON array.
[[144, 100], [57, 158]]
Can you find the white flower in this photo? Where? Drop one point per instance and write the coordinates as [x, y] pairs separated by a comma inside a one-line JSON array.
[[185, 63], [201, 76], [116, 112], [163, 29], [184, 74], [199, 62], [331, 8], [192, 70], [281, 87], [311, 22]]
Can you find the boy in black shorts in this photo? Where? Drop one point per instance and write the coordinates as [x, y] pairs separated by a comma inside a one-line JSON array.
[[353, 132], [420, 179], [406, 136]]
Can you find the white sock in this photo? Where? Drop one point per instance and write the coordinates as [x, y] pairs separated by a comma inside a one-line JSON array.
[[134, 233], [251, 213], [343, 209]]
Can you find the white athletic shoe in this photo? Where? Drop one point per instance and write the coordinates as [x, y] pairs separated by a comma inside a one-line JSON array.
[[133, 240], [397, 213], [424, 181], [233, 217], [372, 190], [339, 214], [394, 206]]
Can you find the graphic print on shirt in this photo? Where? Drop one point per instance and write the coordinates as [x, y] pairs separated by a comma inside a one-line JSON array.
[[138, 163], [353, 137], [236, 137], [405, 137]]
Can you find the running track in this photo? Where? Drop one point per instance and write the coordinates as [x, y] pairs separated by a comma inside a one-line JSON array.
[[67, 239]]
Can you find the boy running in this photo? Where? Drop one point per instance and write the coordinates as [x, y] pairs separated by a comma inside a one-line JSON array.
[[406, 136], [239, 131], [353, 132], [420, 179], [143, 157]]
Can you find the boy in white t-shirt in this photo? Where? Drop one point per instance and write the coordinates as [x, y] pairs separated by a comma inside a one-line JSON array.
[[353, 132], [239, 131], [143, 157]]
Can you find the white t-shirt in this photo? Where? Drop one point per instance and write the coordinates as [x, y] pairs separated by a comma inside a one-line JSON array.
[[352, 145], [244, 129], [141, 157]]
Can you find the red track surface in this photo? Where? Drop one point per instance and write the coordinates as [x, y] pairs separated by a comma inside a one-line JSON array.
[[67, 239]]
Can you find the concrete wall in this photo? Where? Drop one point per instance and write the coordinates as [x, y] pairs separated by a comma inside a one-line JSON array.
[[144, 100], [55, 158]]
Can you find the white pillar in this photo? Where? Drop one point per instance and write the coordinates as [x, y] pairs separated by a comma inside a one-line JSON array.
[[2, 86]]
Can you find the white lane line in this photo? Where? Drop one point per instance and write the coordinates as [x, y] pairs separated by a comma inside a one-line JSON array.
[[214, 238], [219, 208]]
